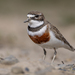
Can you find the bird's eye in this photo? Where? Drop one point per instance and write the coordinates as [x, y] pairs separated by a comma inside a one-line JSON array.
[[37, 16]]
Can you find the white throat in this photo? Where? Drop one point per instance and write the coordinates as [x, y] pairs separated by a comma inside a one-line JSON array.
[[34, 23]]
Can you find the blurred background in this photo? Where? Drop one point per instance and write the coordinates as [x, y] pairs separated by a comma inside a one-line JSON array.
[[13, 31]]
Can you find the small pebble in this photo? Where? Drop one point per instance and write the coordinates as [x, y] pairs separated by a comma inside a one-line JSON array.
[[17, 70], [73, 69], [4, 71], [27, 69], [69, 67], [9, 60]]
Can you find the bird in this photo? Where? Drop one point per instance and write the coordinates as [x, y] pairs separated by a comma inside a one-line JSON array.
[[45, 34]]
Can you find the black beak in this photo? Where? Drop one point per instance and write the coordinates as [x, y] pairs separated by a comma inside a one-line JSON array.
[[27, 20]]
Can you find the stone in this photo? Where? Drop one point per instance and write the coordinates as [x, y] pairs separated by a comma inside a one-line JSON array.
[[9, 60], [17, 70], [27, 69], [4, 71]]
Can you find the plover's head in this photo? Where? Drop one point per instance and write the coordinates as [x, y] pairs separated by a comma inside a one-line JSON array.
[[34, 16]]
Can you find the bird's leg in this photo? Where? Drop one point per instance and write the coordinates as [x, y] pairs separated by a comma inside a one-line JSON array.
[[44, 54], [55, 52]]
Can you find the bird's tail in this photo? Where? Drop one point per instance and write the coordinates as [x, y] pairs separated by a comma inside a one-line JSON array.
[[71, 48]]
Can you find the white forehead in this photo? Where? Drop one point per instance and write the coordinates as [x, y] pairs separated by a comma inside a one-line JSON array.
[[30, 15]]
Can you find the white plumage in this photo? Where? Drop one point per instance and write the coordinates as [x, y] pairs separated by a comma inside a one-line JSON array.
[[39, 33], [35, 23], [54, 42]]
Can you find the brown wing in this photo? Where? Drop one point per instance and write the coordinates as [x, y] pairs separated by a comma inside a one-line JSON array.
[[59, 35]]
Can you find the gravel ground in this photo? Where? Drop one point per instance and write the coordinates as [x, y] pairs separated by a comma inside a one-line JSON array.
[[27, 62]]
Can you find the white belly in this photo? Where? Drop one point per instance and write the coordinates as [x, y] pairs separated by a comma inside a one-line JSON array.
[[54, 42]]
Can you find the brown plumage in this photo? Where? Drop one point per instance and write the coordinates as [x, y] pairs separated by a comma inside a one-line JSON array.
[[36, 13], [41, 39], [59, 36]]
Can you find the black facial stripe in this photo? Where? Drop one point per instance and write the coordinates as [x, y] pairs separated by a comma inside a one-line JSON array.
[[35, 29], [33, 18]]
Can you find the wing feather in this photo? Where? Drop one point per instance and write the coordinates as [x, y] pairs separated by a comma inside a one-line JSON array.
[[60, 36]]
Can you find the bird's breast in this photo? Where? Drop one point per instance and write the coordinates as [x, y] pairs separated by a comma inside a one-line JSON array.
[[40, 39]]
